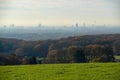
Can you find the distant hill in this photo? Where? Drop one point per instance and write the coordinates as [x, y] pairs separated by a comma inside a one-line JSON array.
[[9, 45], [12, 50], [44, 33]]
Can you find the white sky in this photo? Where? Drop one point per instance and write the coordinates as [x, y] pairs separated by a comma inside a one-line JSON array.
[[59, 12]]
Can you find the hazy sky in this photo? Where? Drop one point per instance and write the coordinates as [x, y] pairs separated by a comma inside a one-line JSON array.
[[59, 12]]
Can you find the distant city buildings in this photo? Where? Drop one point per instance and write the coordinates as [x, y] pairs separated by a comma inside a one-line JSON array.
[[4, 26], [12, 25], [95, 22], [39, 25], [76, 24], [84, 24]]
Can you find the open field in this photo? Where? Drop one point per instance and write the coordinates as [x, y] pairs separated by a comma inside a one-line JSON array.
[[117, 57], [87, 71]]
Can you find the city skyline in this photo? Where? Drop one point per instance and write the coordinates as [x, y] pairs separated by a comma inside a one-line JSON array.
[[59, 12]]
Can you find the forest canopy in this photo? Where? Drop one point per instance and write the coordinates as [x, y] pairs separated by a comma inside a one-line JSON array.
[[89, 48]]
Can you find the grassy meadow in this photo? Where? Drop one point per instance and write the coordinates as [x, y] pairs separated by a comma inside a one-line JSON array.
[[117, 57], [82, 71]]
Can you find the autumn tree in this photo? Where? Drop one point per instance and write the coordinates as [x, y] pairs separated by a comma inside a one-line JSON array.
[[20, 52], [51, 57], [99, 53], [66, 55], [116, 47]]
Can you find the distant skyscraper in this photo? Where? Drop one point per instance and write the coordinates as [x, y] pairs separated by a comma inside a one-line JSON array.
[[76, 24], [76, 29], [105, 28], [104, 25], [39, 25], [4, 26], [84, 24], [13, 25], [95, 23]]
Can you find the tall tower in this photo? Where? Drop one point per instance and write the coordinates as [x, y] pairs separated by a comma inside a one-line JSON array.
[[84, 24], [105, 28], [39, 28], [39, 25], [12, 25], [104, 25], [76, 29], [4, 26], [95, 23], [76, 24]]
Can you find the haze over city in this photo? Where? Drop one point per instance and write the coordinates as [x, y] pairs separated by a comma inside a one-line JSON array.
[[59, 12]]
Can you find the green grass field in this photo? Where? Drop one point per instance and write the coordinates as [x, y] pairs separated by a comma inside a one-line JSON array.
[[117, 57], [88, 71]]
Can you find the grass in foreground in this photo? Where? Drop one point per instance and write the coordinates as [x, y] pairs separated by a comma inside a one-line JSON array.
[[88, 71], [117, 57]]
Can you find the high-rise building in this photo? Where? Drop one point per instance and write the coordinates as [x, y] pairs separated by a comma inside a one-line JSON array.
[[76, 24], [4, 26], [12, 25], [39, 25], [95, 23], [84, 24]]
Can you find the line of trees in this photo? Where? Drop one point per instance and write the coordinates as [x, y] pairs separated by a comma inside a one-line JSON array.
[[75, 54], [96, 48], [72, 54]]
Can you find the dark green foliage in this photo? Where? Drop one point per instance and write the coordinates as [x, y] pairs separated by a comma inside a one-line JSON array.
[[67, 49], [33, 60], [29, 60], [91, 53], [68, 55], [11, 59], [80, 56], [116, 47], [26, 60], [99, 53], [1, 47]]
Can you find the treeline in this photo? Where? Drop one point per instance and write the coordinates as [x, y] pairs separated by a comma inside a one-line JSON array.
[[74, 54], [94, 48]]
